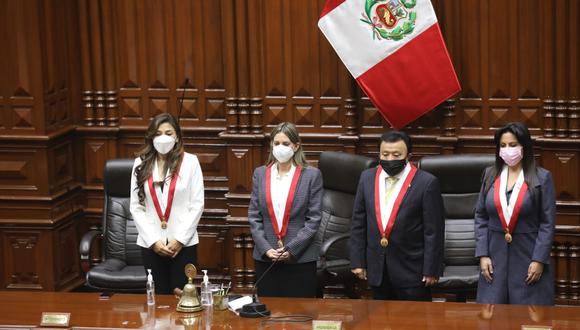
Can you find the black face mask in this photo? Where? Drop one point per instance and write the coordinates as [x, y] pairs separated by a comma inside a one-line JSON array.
[[393, 167]]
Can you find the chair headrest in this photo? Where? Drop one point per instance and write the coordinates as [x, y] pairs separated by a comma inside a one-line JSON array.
[[118, 177], [457, 173], [341, 171]]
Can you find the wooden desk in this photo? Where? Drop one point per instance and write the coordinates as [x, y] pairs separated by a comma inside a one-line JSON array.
[[130, 311]]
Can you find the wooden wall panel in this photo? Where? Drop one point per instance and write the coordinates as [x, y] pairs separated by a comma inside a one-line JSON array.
[[303, 81], [35, 76], [81, 81], [40, 195], [22, 85], [24, 244], [19, 172], [212, 251], [41, 258], [502, 45], [144, 55]]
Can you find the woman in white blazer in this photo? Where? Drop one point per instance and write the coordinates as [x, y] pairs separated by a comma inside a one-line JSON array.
[[167, 198]]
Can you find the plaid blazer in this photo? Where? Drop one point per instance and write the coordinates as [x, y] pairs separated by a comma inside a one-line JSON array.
[[304, 220]]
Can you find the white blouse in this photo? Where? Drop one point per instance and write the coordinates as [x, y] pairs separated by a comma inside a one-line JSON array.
[[280, 187]]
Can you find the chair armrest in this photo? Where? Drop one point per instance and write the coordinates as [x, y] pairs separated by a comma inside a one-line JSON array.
[[85, 248], [330, 242]]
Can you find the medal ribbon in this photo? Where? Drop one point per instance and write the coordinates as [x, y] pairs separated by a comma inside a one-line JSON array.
[[406, 184], [519, 201], [161, 215], [281, 233]]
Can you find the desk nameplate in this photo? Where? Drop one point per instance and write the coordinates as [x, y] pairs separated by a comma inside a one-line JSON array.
[[536, 327], [326, 325], [51, 319]]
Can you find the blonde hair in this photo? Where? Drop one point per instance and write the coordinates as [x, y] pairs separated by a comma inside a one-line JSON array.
[[291, 132]]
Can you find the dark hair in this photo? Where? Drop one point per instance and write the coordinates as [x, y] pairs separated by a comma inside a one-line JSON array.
[[291, 132], [148, 154], [395, 136], [522, 134]]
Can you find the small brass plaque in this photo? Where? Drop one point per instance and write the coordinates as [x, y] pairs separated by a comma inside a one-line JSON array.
[[54, 319], [536, 327], [326, 325]]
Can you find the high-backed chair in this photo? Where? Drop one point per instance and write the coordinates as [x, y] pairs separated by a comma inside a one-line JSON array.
[[340, 173], [460, 179], [121, 268]]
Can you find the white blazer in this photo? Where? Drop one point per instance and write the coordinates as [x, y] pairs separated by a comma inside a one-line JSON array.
[[188, 202]]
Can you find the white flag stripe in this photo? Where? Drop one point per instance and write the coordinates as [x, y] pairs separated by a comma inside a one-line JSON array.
[[353, 39]]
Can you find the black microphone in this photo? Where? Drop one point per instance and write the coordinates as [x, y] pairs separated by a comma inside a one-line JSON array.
[[256, 308], [182, 97]]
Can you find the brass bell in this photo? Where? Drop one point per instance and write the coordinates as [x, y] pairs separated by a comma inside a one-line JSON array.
[[189, 300], [187, 320]]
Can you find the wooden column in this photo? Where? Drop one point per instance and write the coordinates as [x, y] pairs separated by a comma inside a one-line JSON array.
[[40, 200]]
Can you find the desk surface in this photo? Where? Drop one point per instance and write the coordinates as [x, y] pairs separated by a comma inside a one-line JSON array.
[[130, 311]]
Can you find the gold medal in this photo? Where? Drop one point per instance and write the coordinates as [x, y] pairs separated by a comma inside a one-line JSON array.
[[508, 237], [280, 243], [384, 242], [163, 223]]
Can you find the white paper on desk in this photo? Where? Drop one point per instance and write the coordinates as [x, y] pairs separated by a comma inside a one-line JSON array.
[[234, 305]]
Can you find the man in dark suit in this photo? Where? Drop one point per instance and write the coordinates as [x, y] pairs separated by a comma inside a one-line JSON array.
[[397, 226]]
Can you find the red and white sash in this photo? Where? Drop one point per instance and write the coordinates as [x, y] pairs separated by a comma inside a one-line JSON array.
[[508, 213], [164, 216], [385, 231], [281, 232]]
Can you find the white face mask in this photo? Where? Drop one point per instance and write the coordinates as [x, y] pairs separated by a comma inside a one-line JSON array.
[[282, 153], [163, 143]]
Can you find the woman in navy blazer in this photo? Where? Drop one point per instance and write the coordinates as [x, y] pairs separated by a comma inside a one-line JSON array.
[[514, 224], [284, 215]]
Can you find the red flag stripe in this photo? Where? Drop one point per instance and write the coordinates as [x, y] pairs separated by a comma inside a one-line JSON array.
[[413, 80], [329, 6]]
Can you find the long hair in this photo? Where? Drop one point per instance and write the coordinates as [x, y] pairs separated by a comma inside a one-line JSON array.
[[292, 133], [522, 134], [148, 154]]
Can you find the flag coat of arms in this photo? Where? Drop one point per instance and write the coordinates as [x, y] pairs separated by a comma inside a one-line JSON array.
[[395, 51]]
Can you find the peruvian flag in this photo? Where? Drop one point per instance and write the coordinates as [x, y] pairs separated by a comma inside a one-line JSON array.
[[395, 51]]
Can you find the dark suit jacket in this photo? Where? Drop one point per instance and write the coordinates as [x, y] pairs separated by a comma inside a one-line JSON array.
[[416, 241], [532, 241], [304, 220]]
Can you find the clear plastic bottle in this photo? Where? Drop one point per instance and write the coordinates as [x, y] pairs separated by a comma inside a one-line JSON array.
[[206, 318], [206, 295], [150, 289]]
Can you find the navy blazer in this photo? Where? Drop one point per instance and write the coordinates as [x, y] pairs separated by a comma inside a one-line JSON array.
[[305, 216], [416, 242], [532, 241]]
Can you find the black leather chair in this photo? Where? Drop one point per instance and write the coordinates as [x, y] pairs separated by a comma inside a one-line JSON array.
[[460, 179], [121, 269], [340, 173]]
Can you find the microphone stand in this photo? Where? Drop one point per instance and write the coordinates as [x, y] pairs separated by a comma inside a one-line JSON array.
[[181, 99], [257, 309]]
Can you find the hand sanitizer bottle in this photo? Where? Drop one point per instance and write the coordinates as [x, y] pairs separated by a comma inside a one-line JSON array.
[[206, 295], [150, 289]]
